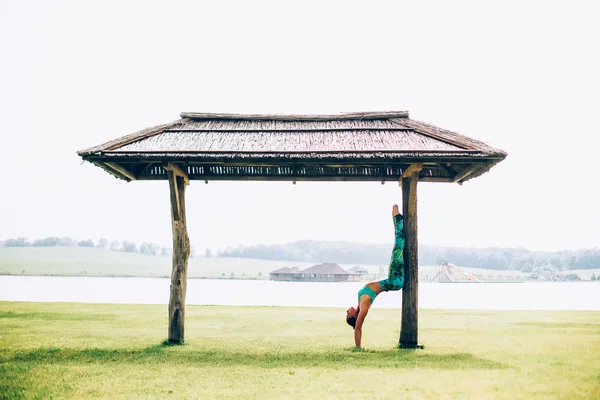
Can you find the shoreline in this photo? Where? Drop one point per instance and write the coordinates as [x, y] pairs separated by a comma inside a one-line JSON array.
[[269, 280]]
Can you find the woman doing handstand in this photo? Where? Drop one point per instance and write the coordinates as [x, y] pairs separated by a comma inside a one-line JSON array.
[[395, 280]]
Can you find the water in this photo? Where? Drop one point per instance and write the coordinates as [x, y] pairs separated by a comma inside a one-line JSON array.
[[486, 296]]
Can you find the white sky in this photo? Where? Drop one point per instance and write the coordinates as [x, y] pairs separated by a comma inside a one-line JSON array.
[[522, 76]]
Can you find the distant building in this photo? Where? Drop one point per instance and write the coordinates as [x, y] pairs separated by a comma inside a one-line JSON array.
[[328, 272], [284, 274], [359, 270]]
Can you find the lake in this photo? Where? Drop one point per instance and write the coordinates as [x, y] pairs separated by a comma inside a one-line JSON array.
[[476, 296]]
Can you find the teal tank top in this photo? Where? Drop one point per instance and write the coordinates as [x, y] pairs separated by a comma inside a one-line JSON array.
[[366, 290]]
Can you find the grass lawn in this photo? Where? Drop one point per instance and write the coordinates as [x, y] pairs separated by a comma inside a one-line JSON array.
[[78, 351]]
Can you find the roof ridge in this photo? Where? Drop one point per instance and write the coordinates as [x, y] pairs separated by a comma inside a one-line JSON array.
[[297, 117], [278, 130]]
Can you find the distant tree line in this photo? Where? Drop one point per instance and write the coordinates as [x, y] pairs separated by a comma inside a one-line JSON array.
[[361, 253], [114, 245], [519, 259]]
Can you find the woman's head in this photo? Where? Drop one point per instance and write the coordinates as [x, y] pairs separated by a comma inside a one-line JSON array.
[[351, 314]]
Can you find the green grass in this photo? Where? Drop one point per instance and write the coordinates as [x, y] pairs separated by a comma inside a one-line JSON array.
[[116, 351]]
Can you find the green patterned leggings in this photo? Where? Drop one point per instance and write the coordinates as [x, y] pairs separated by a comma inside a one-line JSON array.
[[395, 279]]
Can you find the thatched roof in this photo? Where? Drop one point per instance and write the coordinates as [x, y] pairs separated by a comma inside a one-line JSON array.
[[376, 146]]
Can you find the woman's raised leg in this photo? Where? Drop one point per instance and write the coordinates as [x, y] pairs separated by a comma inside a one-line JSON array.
[[395, 280]]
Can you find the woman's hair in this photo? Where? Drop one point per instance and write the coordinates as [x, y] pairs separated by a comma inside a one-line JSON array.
[[351, 321]]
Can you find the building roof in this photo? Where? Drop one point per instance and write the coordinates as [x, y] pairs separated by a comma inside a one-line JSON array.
[[285, 270], [369, 146], [325, 269], [319, 269]]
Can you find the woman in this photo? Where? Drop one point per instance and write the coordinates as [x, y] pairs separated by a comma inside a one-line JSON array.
[[395, 280]]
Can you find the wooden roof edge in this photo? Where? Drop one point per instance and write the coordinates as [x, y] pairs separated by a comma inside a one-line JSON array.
[[345, 151], [479, 170], [122, 141], [450, 137], [297, 117], [469, 172], [292, 157]]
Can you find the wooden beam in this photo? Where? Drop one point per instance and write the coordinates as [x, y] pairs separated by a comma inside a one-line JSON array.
[[122, 170], [408, 172], [414, 167], [301, 178], [181, 254], [175, 204], [410, 319], [447, 168], [178, 171], [437, 179], [468, 171]]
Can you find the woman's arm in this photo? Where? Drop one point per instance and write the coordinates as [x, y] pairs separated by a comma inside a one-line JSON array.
[[364, 309]]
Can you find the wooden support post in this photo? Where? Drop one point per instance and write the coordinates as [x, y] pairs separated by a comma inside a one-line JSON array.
[[410, 321], [175, 203], [408, 172], [178, 171], [181, 254]]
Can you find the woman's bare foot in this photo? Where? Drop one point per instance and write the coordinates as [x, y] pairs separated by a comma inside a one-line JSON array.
[[395, 210]]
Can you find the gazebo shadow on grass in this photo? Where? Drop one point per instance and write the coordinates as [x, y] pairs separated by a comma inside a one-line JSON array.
[[167, 354]]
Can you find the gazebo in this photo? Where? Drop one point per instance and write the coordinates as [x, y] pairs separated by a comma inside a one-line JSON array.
[[366, 146]]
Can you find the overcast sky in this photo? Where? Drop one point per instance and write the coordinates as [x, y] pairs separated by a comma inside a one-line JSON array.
[[523, 76]]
